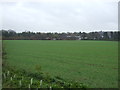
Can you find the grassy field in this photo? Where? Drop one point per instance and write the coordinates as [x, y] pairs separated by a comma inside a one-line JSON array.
[[94, 63]]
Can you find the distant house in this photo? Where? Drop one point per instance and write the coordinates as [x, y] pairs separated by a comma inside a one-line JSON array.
[[69, 36], [47, 38], [101, 34], [85, 37], [54, 38], [74, 37], [78, 37], [109, 34]]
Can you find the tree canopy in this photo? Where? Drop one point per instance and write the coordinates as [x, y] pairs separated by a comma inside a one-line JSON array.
[[27, 35]]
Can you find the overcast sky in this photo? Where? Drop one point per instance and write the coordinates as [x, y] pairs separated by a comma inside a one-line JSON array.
[[60, 15]]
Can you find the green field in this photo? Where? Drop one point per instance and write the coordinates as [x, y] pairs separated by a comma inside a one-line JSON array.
[[94, 63]]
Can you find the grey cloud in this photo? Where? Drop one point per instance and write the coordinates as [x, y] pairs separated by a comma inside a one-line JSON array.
[[60, 17]]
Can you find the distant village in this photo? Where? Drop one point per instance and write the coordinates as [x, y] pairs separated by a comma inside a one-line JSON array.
[[27, 35]]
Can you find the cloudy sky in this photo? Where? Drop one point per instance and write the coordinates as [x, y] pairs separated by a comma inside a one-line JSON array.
[[60, 15]]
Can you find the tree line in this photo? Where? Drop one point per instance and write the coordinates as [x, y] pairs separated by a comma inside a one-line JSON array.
[[27, 35]]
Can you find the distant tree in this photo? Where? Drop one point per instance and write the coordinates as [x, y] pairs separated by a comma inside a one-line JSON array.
[[84, 36], [106, 37], [27, 35], [116, 36]]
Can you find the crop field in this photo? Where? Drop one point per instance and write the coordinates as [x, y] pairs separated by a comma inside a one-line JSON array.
[[94, 63]]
